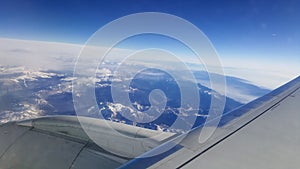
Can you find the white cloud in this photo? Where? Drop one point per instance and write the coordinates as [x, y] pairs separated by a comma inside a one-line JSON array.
[[58, 56], [37, 55], [263, 72]]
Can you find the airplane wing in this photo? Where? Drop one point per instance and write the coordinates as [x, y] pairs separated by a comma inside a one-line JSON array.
[[263, 134], [60, 142]]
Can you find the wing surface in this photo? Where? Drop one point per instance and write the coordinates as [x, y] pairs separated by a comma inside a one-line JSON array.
[[265, 134]]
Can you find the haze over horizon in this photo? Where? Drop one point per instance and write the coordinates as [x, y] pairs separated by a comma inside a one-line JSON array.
[[28, 53]]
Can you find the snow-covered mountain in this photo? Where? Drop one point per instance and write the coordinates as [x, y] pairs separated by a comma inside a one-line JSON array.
[[26, 93]]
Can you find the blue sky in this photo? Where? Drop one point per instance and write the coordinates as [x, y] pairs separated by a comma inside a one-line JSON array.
[[228, 24], [256, 29]]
